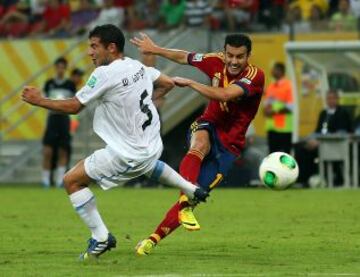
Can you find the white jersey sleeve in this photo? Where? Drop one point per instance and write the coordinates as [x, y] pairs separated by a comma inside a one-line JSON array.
[[95, 87], [153, 73]]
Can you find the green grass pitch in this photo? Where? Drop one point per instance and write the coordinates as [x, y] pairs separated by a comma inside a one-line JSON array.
[[248, 232]]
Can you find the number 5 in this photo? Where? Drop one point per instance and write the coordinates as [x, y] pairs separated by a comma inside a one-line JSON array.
[[145, 109]]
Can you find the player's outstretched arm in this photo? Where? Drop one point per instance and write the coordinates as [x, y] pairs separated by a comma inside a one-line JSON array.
[[162, 86], [147, 46], [215, 93], [32, 95]]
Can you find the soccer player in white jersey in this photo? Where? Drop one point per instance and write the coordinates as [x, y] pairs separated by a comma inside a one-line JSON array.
[[126, 119]]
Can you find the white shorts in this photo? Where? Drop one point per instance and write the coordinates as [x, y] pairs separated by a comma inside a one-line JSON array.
[[109, 170]]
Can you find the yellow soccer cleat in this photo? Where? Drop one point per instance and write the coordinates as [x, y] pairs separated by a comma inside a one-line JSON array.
[[144, 247], [188, 219]]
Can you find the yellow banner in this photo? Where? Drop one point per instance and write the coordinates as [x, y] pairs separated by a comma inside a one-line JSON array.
[[20, 61]]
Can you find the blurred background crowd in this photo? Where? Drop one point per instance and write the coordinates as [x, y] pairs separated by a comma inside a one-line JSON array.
[[66, 18]]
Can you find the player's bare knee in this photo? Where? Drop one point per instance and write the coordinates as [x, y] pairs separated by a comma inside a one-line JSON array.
[[201, 145], [67, 180], [200, 141], [70, 184]]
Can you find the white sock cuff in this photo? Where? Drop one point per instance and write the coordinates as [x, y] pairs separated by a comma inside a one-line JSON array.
[[81, 197], [45, 177], [61, 169]]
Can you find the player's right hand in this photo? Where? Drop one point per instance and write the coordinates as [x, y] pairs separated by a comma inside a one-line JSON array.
[[31, 95], [144, 44], [182, 82]]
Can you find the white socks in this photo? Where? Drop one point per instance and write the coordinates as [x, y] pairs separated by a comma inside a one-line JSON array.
[[45, 178], [84, 203], [59, 176], [168, 176]]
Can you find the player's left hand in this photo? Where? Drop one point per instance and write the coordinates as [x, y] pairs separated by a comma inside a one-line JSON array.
[[182, 82], [145, 44], [31, 95]]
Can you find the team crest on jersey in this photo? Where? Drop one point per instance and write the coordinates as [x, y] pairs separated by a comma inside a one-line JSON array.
[[91, 82], [197, 57], [245, 80]]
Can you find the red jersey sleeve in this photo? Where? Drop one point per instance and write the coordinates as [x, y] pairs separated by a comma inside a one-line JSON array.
[[252, 83], [207, 63]]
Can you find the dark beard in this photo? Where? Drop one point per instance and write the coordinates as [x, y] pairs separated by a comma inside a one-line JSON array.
[[106, 61]]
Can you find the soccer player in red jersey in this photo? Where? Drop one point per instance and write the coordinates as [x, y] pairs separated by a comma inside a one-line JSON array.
[[217, 137]]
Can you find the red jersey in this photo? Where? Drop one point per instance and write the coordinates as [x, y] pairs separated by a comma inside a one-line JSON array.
[[231, 119]]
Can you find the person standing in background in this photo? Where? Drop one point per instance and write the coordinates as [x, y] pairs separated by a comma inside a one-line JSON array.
[[279, 110], [57, 139], [333, 119], [76, 77]]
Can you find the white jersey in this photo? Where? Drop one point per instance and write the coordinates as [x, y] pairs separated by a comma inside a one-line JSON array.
[[125, 116]]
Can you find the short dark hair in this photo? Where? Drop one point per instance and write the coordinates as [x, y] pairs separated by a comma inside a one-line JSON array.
[[238, 40], [77, 71], [61, 60], [280, 66], [107, 34]]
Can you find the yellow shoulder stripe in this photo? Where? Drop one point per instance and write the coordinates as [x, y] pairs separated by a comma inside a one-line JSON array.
[[251, 69], [253, 74]]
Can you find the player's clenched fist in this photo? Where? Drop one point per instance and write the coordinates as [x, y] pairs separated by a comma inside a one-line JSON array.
[[31, 95]]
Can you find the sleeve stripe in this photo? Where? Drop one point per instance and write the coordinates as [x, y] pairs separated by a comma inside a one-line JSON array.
[[250, 71], [253, 74]]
